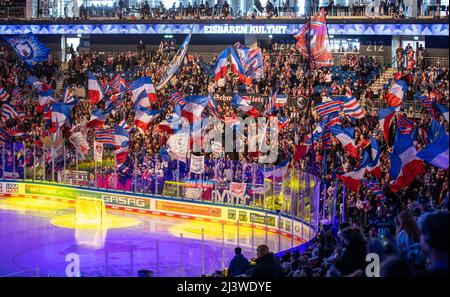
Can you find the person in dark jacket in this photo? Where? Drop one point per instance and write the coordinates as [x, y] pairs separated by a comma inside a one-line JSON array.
[[354, 254], [266, 264], [239, 264]]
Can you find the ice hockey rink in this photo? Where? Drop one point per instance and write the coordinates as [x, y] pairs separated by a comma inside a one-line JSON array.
[[34, 246]]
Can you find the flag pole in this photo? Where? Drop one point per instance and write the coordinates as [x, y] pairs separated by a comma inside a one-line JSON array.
[[95, 165], [24, 160], [34, 160], [14, 160], [3, 159]]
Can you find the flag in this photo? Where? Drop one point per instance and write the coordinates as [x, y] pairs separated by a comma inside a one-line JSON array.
[[69, 99], [98, 151], [193, 109], [115, 84], [374, 165], [404, 124], [396, 93], [279, 100], [95, 91], [143, 93], [328, 107], [221, 65], [60, 114], [353, 179], [212, 108], [4, 136], [436, 152], [4, 96], [122, 139], [17, 97], [385, 117], [270, 105], [176, 62], [332, 119], [405, 165], [243, 103], [236, 66], [44, 98], [99, 116], [313, 43], [8, 112], [277, 172], [176, 98], [78, 138], [28, 47], [352, 107], [252, 61], [35, 83], [427, 103], [443, 110], [374, 188], [197, 164], [171, 125], [178, 145], [105, 136], [346, 137], [145, 116], [282, 122]]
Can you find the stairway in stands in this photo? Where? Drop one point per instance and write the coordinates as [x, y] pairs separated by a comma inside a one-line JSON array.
[[383, 79]]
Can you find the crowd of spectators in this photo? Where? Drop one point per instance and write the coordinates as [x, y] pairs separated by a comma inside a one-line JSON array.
[[289, 74]]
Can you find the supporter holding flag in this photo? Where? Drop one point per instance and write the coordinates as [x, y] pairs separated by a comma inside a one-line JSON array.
[[45, 98], [60, 114], [237, 68], [69, 99], [243, 103], [397, 91], [405, 165], [221, 64], [436, 152], [95, 91]]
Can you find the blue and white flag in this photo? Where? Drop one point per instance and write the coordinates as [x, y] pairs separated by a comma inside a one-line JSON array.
[[29, 48], [436, 153]]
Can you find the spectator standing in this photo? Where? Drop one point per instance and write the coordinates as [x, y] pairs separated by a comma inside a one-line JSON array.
[[239, 264], [266, 264]]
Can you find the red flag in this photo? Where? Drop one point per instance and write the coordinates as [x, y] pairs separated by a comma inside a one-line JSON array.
[[319, 52]]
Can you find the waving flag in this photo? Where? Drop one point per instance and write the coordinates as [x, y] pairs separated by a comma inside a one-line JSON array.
[[193, 109], [35, 83], [143, 93], [122, 139], [374, 188], [385, 117], [396, 93], [332, 119], [277, 172], [352, 179], [4, 96], [78, 138], [404, 124], [176, 98], [221, 65], [176, 62], [99, 117], [405, 165], [60, 114], [145, 116], [117, 84], [443, 110], [427, 103], [328, 107], [352, 107], [95, 91], [8, 112], [178, 145], [243, 103], [69, 99], [270, 106], [171, 125], [4, 136], [17, 97], [282, 122], [313, 43], [212, 108], [28, 47], [236, 66], [105, 136], [251, 60], [346, 137], [436, 153], [44, 98], [374, 165]]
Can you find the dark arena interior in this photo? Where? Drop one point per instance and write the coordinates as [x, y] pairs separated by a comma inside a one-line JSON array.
[[202, 139]]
